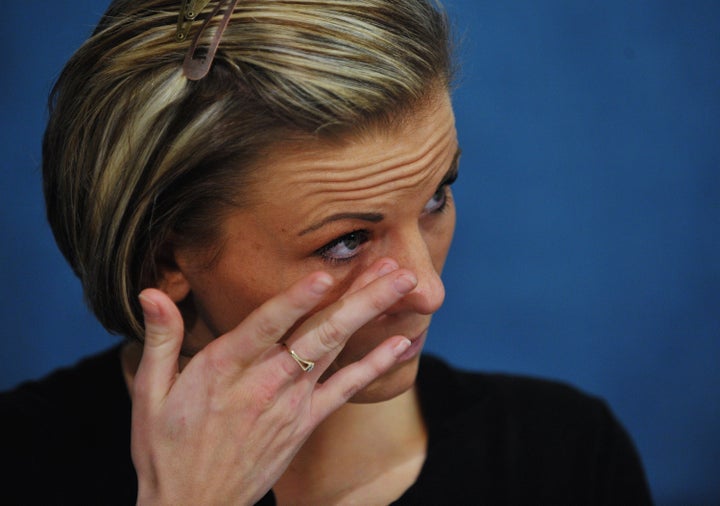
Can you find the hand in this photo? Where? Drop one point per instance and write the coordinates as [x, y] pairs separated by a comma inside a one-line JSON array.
[[224, 429]]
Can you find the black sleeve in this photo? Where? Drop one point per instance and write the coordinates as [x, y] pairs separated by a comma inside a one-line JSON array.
[[621, 478], [66, 438], [569, 448], [512, 440]]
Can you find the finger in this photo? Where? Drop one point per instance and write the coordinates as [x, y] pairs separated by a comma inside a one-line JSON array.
[[344, 384], [323, 335], [161, 347], [376, 270], [267, 324]]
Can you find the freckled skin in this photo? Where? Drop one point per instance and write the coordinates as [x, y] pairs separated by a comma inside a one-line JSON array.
[[392, 173]]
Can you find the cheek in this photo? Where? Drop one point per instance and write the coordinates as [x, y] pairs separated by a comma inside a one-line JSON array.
[[226, 294], [222, 306], [229, 302]]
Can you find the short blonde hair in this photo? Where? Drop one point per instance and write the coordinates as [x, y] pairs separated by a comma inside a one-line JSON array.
[[135, 153]]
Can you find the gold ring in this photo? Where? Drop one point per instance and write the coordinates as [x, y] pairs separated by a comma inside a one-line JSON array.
[[305, 365]]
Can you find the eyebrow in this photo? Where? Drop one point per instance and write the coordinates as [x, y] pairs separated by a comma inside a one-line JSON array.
[[370, 217], [449, 176]]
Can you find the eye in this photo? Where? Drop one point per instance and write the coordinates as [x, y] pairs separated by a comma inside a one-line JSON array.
[[345, 247], [437, 202]]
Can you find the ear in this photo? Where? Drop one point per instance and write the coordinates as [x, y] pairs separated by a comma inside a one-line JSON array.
[[171, 278]]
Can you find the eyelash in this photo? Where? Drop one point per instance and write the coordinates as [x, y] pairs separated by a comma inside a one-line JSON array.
[[444, 194], [362, 236]]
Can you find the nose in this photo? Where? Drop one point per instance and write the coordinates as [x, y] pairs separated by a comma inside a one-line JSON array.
[[413, 252]]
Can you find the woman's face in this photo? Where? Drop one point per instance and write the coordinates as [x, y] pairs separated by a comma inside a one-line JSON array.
[[337, 207]]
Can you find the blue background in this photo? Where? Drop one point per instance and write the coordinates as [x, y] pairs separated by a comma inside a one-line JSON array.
[[588, 240]]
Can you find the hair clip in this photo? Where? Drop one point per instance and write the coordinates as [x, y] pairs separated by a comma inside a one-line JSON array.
[[198, 61], [189, 10]]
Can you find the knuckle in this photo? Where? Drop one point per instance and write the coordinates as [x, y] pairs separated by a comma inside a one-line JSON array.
[[350, 391], [263, 397], [362, 377], [268, 327], [219, 364], [299, 303], [331, 333], [379, 302], [289, 367]]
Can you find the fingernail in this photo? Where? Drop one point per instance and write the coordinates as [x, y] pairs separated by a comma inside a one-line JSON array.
[[387, 268], [404, 283], [149, 307], [321, 285], [401, 347]]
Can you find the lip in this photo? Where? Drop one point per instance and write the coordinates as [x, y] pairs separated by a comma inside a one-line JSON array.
[[417, 344]]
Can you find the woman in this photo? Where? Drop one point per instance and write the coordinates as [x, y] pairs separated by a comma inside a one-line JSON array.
[[273, 179]]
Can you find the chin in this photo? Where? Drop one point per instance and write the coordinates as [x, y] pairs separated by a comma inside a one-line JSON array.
[[396, 381]]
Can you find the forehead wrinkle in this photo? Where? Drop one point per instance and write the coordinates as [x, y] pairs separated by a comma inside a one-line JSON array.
[[376, 198], [312, 179], [339, 196], [321, 165], [408, 172], [380, 183]]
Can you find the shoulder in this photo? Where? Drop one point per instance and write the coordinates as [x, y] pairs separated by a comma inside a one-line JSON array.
[[519, 438], [93, 383], [71, 425], [462, 393]]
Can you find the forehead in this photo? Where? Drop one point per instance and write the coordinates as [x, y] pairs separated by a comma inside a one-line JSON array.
[[379, 160]]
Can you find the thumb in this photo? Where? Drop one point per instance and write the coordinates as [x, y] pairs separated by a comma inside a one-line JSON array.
[[163, 340]]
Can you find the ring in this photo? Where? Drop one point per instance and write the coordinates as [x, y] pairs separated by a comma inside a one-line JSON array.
[[305, 365]]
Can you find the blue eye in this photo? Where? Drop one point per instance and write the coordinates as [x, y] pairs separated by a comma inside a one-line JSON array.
[[437, 202], [345, 247]]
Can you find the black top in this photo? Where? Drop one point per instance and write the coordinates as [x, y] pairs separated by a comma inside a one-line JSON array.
[[493, 439]]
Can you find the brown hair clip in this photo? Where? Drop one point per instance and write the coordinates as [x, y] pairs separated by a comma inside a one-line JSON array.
[[198, 60]]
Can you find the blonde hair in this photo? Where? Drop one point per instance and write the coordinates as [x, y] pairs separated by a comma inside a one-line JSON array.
[[136, 154]]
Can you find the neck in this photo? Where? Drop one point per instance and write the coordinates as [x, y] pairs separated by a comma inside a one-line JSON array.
[[370, 451]]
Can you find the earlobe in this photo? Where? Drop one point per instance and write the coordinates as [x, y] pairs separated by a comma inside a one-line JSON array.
[[171, 278], [174, 283]]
